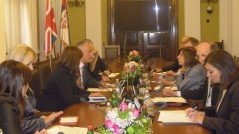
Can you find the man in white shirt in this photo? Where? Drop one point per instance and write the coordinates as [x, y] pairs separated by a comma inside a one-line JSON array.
[[85, 79]]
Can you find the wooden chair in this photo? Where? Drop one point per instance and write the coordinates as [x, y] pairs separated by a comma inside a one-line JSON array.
[[220, 44], [111, 51]]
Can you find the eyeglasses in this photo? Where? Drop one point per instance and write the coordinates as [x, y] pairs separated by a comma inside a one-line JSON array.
[[200, 56]]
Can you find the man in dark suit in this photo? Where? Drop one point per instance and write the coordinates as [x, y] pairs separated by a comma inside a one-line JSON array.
[[203, 49], [86, 81]]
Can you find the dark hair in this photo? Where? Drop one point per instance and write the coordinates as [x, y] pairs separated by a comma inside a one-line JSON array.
[[70, 59], [189, 54], [224, 62], [193, 41], [13, 76]]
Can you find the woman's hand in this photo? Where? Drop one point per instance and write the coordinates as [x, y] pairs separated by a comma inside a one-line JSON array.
[[166, 82], [107, 72], [157, 70], [43, 131], [195, 116], [96, 95], [49, 119], [170, 73], [105, 78], [169, 93]]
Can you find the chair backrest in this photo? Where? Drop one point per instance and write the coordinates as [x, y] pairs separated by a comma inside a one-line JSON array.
[[111, 51], [35, 83], [220, 44], [44, 71]]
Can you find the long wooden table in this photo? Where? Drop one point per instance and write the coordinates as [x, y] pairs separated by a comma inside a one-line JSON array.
[[89, 115]]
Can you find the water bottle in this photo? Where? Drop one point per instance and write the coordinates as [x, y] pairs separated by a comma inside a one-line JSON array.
[[148, 102]]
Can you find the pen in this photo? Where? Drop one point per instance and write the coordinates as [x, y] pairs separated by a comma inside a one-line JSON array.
[[192, 110]]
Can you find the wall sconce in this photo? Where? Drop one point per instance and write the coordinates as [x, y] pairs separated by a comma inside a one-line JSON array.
[[209, 7], [76, 3]]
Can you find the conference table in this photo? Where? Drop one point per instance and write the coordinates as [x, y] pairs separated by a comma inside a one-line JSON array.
[[89, 115]]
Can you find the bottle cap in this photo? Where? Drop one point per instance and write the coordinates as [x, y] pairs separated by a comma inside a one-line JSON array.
[[90, 127], [143, 107]]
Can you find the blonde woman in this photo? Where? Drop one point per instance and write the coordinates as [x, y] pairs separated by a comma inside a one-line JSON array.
[[30, 122], [96, 66]]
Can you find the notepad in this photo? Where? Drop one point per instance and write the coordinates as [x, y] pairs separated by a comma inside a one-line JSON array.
[[113, 74], [169, 99], [67, 130], [99, 89], [174, 117], [69, 119]]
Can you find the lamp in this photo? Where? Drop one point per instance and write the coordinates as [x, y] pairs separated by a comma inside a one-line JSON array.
[[209, 7], [76, 3]]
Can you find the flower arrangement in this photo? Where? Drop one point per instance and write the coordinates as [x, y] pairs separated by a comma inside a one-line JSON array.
[[134, 56], [125, 120], [132, 72]]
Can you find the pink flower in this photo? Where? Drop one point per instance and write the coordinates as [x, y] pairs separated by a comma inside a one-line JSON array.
[[126, 69], [135, 112], [108, 123], [116, 129], [132, 68], [123, 107]]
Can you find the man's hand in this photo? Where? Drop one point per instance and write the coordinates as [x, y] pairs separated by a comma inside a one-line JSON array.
[[169, 93], [157, 70]]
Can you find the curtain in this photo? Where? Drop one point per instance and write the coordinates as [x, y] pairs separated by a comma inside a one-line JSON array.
[[21, 23], [2, 31]]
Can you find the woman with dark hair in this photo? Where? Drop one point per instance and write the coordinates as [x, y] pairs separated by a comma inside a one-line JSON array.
[[61, 88], [222, 69], [31, 122], [14, 79], [192, 75]]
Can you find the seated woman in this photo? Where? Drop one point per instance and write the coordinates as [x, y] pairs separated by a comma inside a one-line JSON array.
[[30, 122], [192, 75], [222, 69], [14, 79], [96, 66], [61, 88]]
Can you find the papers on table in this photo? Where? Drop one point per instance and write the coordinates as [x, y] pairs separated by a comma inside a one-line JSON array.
[[169, 99], [174, 117], [113, 74], [172, 88], [67, 130], [69, 119], [99, 89]]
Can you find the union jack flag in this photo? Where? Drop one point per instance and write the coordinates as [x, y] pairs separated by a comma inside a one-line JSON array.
[[50, 28], [64, 33]]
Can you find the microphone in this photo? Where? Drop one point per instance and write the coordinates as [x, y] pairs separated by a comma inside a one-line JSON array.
[[160, 108], [156, 91], [85, 101]]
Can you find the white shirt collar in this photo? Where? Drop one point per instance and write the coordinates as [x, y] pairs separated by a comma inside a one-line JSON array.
[[81, 64]]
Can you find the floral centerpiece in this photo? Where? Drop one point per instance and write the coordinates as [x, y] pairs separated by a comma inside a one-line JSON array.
[[134, 56], [132, 72], [125, 121]]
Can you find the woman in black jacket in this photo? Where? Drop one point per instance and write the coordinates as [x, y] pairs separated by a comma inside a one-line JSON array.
[[61, 87], [14, 78]]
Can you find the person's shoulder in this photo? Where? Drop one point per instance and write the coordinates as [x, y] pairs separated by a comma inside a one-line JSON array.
[[7, 104]]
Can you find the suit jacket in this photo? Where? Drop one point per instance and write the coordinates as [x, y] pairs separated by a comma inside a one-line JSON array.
[[88, 80], [174, 67], [100, 66], [226, 120], [61, 91], [193, 78]]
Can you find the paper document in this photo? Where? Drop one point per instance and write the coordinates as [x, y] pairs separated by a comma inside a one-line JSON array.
[[172, 88], [113, 74], [67, 130], [169, 99], [99, 89], [174, 117], [69, 119]]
